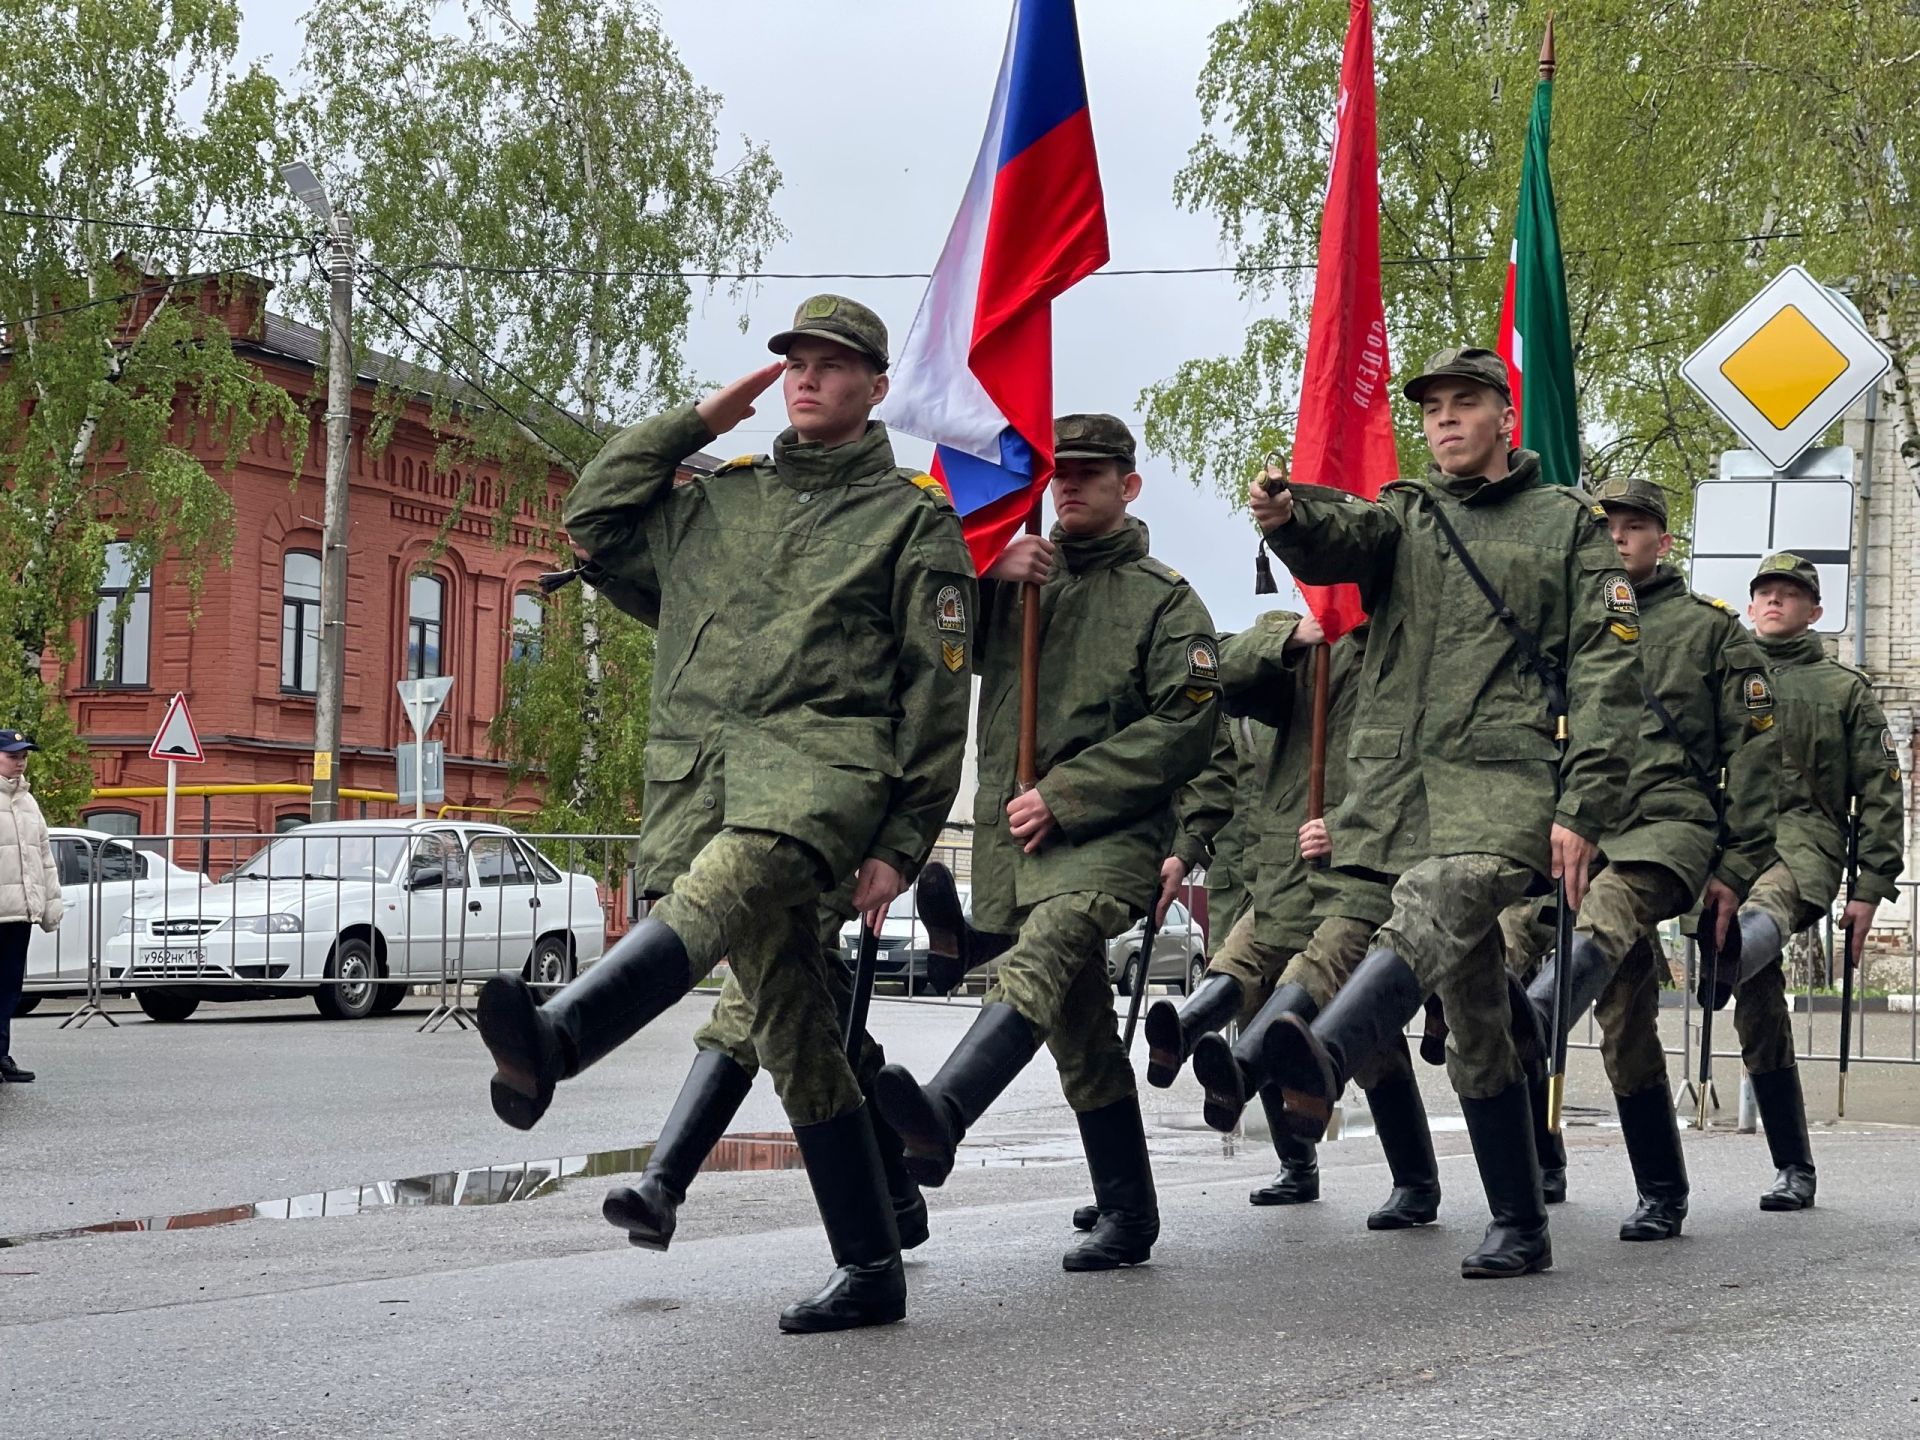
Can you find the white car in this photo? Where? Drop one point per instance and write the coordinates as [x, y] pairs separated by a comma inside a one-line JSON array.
[[353, 912], [102, 877]]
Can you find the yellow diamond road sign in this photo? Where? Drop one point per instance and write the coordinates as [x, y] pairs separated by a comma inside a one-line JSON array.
[[1787, 366]]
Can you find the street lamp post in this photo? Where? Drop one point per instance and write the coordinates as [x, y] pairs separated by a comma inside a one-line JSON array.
[[307, 188]]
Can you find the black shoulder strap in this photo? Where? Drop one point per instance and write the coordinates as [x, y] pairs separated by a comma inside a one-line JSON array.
[[1532, 659], [1665, 716]]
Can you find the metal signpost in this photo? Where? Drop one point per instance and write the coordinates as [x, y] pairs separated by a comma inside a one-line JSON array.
[[423, 699]]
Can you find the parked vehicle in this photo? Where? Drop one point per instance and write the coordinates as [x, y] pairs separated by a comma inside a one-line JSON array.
[[102, 877], [1179, 953], [333, 910], [904, 948]]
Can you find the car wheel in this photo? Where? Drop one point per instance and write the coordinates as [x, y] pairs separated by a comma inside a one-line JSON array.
[[26, 1005], [1196, 972], [1130, 974], [387, 998], [167, 1007], [551, 965], [350, 992]]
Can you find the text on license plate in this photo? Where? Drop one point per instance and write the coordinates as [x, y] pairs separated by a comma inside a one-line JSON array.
[[173, 959]]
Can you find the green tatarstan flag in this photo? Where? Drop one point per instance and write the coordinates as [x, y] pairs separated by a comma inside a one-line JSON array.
[[1535, 338]]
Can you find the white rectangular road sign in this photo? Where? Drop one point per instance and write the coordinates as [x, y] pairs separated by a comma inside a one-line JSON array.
[[1785, 368], [1749, 512]]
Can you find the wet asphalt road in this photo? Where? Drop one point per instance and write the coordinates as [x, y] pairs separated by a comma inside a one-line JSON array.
[[533, 1318]]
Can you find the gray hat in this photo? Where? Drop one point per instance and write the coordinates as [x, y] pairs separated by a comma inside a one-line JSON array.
[[1093, 437], [1481, 366], [1632, 493], [836, 318], [1787, 566]]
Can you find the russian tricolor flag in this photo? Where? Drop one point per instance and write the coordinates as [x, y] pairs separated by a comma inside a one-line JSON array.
[[975, 375]]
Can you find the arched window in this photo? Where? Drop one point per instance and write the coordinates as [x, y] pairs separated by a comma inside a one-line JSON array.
[[426, 604], [283, 823], [300, 623], [527, 616], [117, 648]]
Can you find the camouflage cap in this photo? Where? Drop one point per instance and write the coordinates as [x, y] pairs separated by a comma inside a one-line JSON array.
[[1633, 493], [1093, 437], [836, 318], [1787, 566], [1482, 366]]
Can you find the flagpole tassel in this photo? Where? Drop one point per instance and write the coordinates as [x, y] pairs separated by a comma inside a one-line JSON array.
[[1263, 583]]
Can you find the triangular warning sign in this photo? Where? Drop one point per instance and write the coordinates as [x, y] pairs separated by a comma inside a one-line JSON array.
[[177, 739]]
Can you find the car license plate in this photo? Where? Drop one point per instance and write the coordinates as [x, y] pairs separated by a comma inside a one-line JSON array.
[[173, 959]]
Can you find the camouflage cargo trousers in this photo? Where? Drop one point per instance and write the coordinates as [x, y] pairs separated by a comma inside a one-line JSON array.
[[1446, 926], [753, 899], [1624, 902], [1339, 944], [1055, 975], [1760, 1014], [1251, 958]]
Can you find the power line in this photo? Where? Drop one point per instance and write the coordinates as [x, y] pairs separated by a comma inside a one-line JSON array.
[[153, 225], [154, 287]]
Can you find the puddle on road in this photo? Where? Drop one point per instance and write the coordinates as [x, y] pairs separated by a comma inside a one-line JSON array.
[[487, 1185]]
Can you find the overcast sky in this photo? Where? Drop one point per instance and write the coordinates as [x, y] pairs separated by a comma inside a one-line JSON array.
[[874, 112]]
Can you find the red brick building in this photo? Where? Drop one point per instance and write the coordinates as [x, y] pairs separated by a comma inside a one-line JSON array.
[[248, 662]]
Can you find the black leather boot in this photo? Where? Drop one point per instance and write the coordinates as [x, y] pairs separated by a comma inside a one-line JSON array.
[[1311, 1063], [909, 1205], [869, 1287], [955, 946], [709, 1099], [1659, 1164], [1232, 1074], [1516, 1242], [1129, 1219], [1783, 1111], [1531, 1026], [1400, 1120], [932, 1119], [534, 1046], [1298, 1182], [1591, 972], [1760, 944], [1171, 1029]]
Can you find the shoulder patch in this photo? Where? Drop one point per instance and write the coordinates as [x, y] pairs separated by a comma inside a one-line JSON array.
[[1616, 593], [1165, 571], [950, 611], [929, 487], [1886, 744], [1599, 512], [739, 462], [1758, 694], [1203, 660], [1712, 601]]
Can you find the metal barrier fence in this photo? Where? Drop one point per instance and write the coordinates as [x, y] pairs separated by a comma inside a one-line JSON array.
[[355, 915]]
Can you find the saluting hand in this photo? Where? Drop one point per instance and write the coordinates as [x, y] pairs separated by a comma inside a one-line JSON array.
[[1029, 819], [1027, 560], [730, 404], [1572, 856]]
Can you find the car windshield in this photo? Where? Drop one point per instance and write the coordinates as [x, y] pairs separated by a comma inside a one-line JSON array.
[[326, 857]]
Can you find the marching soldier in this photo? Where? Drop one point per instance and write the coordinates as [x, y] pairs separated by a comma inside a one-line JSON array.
[[1498, 607], [1129, 673], [1835, 748], [1708, 712], [814, 609], [1230, 866]]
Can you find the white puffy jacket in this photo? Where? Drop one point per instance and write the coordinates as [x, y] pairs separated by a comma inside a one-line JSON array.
[[29, 880]]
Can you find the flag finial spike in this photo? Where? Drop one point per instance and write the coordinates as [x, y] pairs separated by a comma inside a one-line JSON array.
[[1546, 51]]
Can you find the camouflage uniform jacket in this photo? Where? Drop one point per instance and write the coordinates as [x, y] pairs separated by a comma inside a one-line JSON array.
[[810, 676], [1129, 673], [1207, 808], [1453, 746], [1834, 743], [1704, 667]]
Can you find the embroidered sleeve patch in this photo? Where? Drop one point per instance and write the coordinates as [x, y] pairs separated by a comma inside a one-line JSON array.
[[1886, 744], [1199, 695], [950, 611], [1617, 593], [953, 656], [1202, 661], [1761, 723], [1759, 694], [1624, 630]]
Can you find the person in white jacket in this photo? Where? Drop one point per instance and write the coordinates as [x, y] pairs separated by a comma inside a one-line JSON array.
[[29, 886]]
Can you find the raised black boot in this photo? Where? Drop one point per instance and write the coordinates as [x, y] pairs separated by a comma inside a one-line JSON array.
[[869, 1287], [1231, 1075], [1659, 1164], [1400, 1121], [1171, 1030], [709, 1099], [954, 947], [1298, 1181], [1516, 1242], [1783, 1112], [932, 1119], [1591, 971], [1129, 1216], [535, 1046], [1311, 1064], [909, 1205], [1761, 944]]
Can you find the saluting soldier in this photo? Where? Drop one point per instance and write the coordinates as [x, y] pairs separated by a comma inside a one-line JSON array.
[[1498, 605], [807, 724], [1834, 748], [1707, 712], [1129, 679]]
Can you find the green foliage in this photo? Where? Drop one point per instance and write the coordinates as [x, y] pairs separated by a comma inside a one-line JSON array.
[[110, 389], [1679, 130]]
